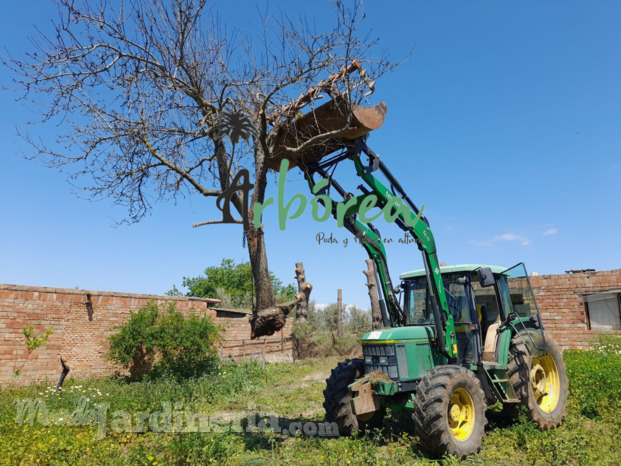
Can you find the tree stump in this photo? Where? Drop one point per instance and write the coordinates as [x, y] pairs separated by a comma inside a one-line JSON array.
[[339, 314], [376, 312], [304, 290]]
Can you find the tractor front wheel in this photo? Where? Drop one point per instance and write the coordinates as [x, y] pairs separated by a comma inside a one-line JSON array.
[[337, 399], [540, 383], [449, 412]]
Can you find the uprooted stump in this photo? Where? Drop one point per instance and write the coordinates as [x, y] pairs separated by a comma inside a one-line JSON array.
[[268, 321]]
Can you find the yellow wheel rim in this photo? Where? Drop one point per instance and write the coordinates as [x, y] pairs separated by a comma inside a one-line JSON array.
[[461, 415], [545, 382]]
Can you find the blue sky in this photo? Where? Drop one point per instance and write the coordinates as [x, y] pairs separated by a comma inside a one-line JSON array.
[[505, 123]]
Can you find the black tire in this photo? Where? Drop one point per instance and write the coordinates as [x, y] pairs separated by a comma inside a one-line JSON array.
[[337, 399], [437, 405], [545, 408]]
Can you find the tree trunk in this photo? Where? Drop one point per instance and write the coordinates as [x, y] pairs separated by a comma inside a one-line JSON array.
[[267, 318], [376, 312], [304, 290], [264, 291], [339, 314]]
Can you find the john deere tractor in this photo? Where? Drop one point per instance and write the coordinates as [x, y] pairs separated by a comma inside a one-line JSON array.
[[454, 339]]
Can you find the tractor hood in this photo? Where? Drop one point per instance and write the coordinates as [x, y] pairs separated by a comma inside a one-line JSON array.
[[400, 334]]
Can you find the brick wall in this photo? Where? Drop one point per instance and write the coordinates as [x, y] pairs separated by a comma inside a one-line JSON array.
[[82, 321], [81, 325], [561, 303]]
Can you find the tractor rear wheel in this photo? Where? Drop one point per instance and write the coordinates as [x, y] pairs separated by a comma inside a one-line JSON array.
[[449, 411], [540, 383], [337, 399]]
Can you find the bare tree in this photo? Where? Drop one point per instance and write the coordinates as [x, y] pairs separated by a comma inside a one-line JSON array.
[[159, 99]]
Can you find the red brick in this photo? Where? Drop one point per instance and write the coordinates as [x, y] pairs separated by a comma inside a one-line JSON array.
[[82, 342]]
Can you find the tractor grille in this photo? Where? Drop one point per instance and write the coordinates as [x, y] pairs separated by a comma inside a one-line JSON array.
[[380, 358], [402, 360]]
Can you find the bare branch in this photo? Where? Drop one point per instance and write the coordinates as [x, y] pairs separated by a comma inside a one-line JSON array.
[[182, 173], [139, 89], [215, 222]]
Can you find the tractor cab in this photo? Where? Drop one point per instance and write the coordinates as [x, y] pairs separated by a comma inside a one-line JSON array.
[[479, 299]]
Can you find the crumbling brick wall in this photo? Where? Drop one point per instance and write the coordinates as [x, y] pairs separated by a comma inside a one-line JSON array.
[[561, 302], [81, 326], [82, 321]]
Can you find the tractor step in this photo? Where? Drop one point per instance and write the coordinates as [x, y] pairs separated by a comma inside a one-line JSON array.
[[500, 382], [490, 366]]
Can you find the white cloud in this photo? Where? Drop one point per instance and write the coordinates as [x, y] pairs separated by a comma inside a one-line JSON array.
[[523, 240], [550, 231]]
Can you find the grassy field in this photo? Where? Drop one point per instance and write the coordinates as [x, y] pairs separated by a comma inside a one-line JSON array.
[[101, 421]]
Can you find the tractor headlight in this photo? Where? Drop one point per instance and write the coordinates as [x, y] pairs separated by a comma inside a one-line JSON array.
[[383, 360], [368, 360]]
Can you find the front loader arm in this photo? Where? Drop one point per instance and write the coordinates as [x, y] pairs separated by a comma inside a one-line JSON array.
[[408, 217], [370, 239]]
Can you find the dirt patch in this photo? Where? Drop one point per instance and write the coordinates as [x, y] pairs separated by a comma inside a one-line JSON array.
[[316, 377]]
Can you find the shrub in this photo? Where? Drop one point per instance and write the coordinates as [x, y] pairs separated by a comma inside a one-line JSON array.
[[594, 377], [158, 343], [317, 338], [358, 321]]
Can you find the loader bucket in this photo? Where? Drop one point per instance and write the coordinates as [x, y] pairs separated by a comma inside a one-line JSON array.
[[330, 119]]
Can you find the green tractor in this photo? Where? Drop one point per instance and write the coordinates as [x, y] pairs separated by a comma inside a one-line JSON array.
[[454, 339], [500, 353]]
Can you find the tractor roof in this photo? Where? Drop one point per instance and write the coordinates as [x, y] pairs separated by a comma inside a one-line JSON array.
[[496, 269]]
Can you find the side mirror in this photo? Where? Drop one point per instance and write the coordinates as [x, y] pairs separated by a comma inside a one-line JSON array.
[[486, 277]]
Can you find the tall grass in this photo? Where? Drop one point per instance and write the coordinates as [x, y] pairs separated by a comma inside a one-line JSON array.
[[591, 433]]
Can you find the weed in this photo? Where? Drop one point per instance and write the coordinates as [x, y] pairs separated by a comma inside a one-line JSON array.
[[591, 433]]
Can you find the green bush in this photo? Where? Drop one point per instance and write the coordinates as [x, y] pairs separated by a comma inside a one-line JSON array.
[[595, 377], [358, 321], [165, 343], [317, 338]]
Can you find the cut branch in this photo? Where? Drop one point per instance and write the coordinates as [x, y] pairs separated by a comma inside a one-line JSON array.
[[303, 296]]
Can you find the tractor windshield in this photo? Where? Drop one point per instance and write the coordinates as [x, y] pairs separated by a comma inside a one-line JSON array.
[[417, 303], [518, 286], [417, 306]]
